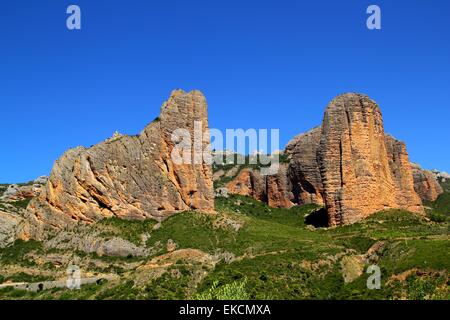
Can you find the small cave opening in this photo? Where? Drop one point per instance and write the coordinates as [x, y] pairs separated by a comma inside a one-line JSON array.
[[318, 218], [192, 193]]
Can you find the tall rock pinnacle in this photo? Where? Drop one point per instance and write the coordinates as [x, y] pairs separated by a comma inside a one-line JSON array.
[[131, 177], [348, 164], [362, 170]]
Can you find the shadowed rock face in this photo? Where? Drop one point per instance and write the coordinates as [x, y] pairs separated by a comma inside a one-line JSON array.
[[425, 183], [402, 173], [12, 227], [131, 177], [361, 173], [296, 183], [249, 183], [303, 171], [275, 190]]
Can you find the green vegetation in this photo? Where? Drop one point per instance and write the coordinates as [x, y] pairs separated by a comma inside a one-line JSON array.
[[233, 291], [238, 164], [445, 185], [21, 204], [197, 231], [441, 206], [3, 188], [18, 252], [440, 209], [261, 253], [25, 277], [254, 208], [126, 229]]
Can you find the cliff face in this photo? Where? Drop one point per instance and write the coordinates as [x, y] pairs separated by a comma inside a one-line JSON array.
[[360, 173], [12, 227], [425, 183], [248, 183], [273, 190], [303, 171], [130, 177], [401, 170], [296, 183], [348, 164]]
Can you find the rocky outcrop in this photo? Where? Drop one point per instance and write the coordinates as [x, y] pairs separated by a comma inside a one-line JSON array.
[[15, 192], [303, 171], [347, 164], [278, 188], [425, 183], [249, 182], [361, 173], [131, 177], [441, 176], [41, 180], [95, 243], [12, 227], [273, 189], [402, 173]]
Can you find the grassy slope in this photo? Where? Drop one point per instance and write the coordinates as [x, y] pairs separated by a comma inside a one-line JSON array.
[[440, 209], [278, 256]]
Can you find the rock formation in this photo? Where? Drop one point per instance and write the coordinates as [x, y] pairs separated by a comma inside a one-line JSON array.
[[19, 192], [12, 227], [304, 172], [16, 192], [425, 183], [274, 189], [93, 242], [278, 189], [130, 177], [347, 164], [441, 176], [361, 173], [249, 182]]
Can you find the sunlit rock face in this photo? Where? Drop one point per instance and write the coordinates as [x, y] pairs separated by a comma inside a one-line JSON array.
[[362, 170], [130, 177], [348, 164]]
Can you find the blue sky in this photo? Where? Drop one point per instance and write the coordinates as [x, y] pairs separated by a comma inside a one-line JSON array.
[[261, 64]]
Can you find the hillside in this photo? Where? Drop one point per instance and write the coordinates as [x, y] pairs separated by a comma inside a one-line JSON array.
[[249, 251], [439, 210]]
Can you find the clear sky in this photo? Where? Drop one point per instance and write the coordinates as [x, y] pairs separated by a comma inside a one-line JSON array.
[[261, 64]]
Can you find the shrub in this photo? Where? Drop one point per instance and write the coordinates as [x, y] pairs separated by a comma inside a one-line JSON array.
[[233, 291]]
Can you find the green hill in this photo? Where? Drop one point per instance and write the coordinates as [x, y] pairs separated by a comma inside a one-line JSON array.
[[250, 250]]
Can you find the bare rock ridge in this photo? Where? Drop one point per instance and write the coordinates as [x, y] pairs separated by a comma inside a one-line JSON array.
[[130, 177], [347, 164]]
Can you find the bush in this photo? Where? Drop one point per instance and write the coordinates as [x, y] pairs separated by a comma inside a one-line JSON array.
[[438, 217], [233, 291], [17, 252], [361, 244]]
